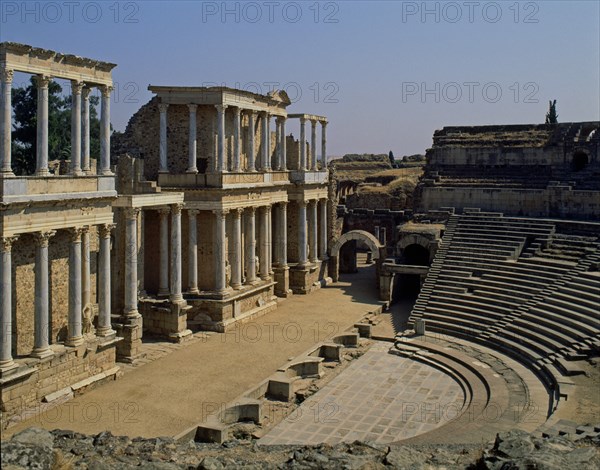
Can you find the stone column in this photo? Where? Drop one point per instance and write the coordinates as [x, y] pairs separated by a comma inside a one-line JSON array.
[[269, 240], [104, 310], [176, 295], [193, 251], [313, 144], [221, 158], [323, 230], [302, 144], [312, 235], [131, 294], [163, 166], [192, 140], [105, 130], [86, 288], [251, 150], [236, 259], [76, 88], [6, 123], [163, 286], [74, 330], [283, 145], [41, 345], [141, 255], [42, 126], [85, 130], [6, 360], [302, 229], [324, 145], [264, 244], [250, 248], [236, 139], [220, 250], [277, 144], [282, 235], [265, 143]]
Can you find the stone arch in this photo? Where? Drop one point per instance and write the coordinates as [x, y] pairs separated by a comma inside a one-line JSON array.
[[416, 239], [369, 239], [580, 160]]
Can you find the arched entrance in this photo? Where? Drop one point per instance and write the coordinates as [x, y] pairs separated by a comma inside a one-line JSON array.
[[353, 236], [580, 161]]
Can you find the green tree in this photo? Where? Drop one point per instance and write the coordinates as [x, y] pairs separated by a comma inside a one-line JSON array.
[[551, 116], [24, 134], [391, 157]]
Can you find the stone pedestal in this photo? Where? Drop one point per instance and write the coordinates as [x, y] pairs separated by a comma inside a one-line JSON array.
[[130, 329], [282, 278]]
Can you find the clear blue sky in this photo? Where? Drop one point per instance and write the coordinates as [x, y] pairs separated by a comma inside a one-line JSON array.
[[386, 73]]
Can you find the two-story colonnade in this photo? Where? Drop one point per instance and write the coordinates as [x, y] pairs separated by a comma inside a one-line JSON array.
[[253, 221]]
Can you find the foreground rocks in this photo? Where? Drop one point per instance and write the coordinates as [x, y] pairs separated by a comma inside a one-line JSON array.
[[37, 448]]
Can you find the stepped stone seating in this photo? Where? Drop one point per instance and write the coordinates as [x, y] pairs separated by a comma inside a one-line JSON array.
[[534, 294]]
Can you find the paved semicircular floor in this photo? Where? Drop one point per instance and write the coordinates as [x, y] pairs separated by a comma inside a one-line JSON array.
[[380, 398]]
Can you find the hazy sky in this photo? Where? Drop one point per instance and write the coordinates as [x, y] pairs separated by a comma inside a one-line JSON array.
[[386, 73]]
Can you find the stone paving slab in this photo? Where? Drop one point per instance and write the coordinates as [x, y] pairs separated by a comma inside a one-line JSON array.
[[380, 397]]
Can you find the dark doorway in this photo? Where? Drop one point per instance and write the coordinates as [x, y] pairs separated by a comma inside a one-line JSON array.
[[415, 255], [580, 161]]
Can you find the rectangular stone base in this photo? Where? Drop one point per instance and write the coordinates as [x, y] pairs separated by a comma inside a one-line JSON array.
[[282, 278], [35, 380], [304, 280], [130, 329], [238, 306], [165, 318]]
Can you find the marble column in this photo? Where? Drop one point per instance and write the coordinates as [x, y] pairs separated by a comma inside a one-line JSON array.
[[250, 242], [221, 157], [313, 144], [324, 145], [6, 123], [192, 144], [251, 149], [236, 258], [86, 287], [163, 285], [269, 240], [41, 344], [302, 229], [323, 230], [220, 248], [104, 288], [277, 144], [131, 253], [264, 244], [193, 251], [42, 126], [85, 130], [282, 235], [105, 92], [176, 295], [76, 88], [237, 145], [163, 165], [6, 360], [141, 255], [75, 329], [265, 143], [302, 165], [283, 145], [313, 235]]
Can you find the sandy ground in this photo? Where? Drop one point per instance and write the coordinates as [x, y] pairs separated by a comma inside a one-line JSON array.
[[177, 391]]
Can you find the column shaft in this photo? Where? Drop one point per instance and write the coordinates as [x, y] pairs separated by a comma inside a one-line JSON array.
[[323, 230], [265, 143], [250, 249], [251, 150], [221, 158], [278, 143], [220, 251], [324, 144], [74, 330], [104, 289], [264, 244], [163, 166], [76, 88], [85, 130], [313, 145], [41, 345], [302, 144], [42, 126], [282, 235], [86, 288], [236, 259], [131, 253], [283, 145], [163, 286], [6, 123], [313, 231], [236, 139], [176, 295], [302, 229], [6, 360], [269, 240], [193, 252], [105, 130], [192, 143]]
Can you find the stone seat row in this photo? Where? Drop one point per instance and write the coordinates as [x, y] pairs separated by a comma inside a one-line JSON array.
[[483, 268]]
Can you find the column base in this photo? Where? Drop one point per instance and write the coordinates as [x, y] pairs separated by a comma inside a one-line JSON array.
[[44, 172], [181, 336], [42, 353], [7, 173], [5, 366], [77, 173], [105, 333], [106, 173], [177, 299], [237, 286], [192, 170], [74, 342], [164, 293], [193, 291], [282, 278]]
